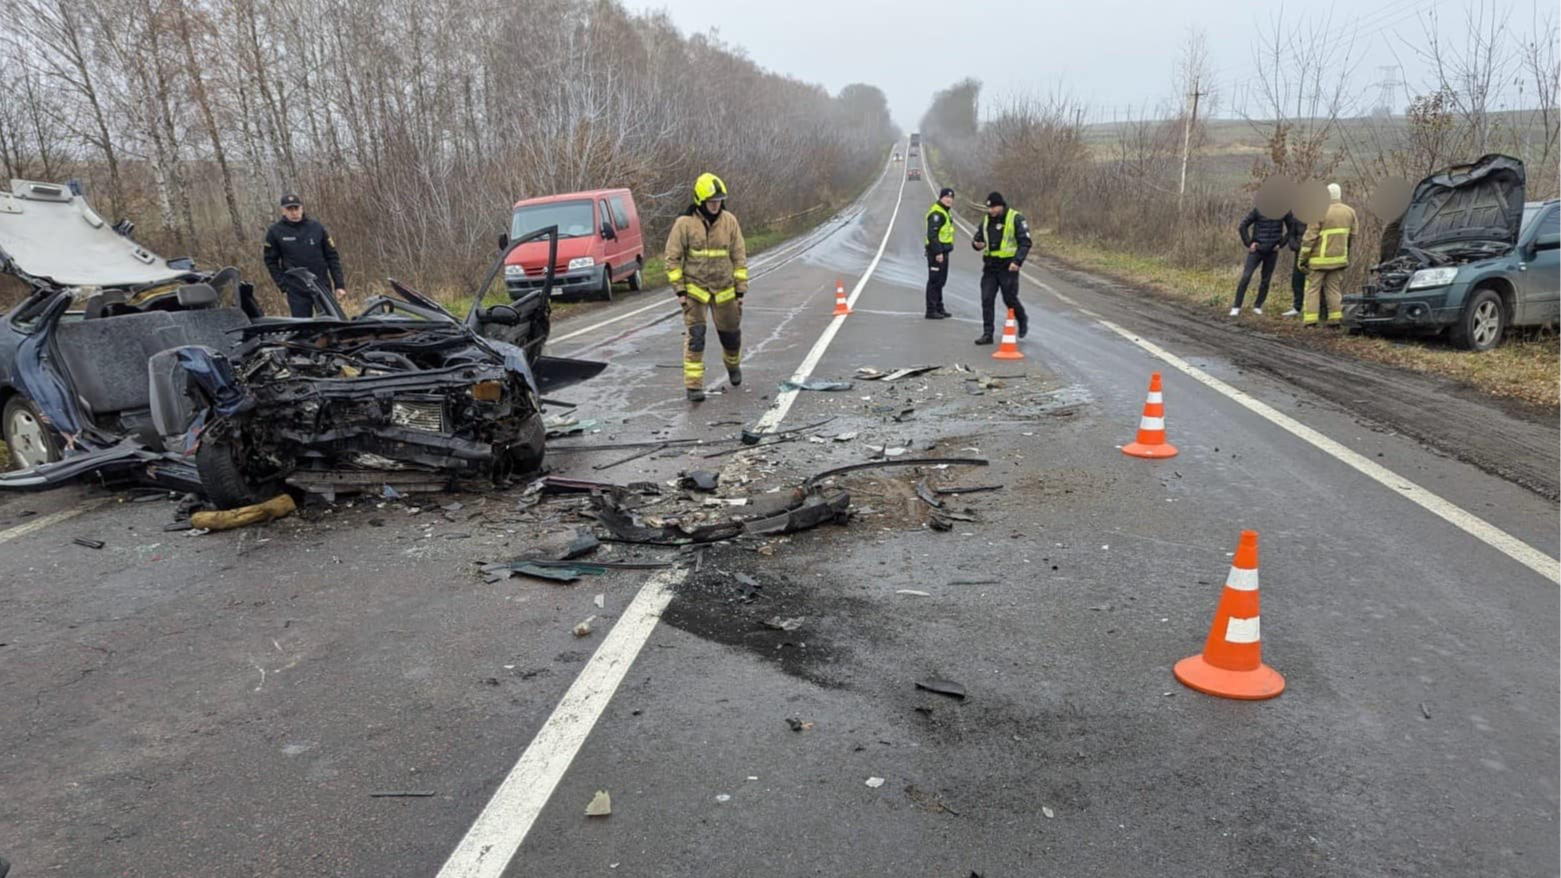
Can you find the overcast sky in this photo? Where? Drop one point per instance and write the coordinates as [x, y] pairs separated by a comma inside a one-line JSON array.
[[1111, 53]]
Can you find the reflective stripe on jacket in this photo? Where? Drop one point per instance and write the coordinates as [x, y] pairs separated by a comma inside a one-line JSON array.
[[1326, 246], [940, 229], [707, 260]]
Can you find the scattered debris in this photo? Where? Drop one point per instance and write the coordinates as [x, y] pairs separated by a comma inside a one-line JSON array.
[[847, 436], [1048, 812], [584, 628], [402, 794], [972, 489], [820, 384], [925, 493], [868, 373], [277, 507], [635, 456], [390, 493], [814, 511], [875, 782], [749, 588], [600, 601], [784, 624], [601, 805], [912, 591], [887, 451], [928, 801], [90, 544], [814, 479], [798, 725], [723, 797], [700, 480], [1425, 711], [942, 687]]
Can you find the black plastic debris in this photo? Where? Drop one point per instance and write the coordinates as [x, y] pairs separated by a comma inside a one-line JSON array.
[[925, 493], [970, 489], [942, 687], [90, 544], [814, 511], [700, 480]]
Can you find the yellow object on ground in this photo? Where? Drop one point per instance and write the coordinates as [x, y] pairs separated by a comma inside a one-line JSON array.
[[279, 506]]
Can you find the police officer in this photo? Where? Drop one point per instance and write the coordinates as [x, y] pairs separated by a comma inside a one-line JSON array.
[[940, 246], [300, 241], [707, 265], [1010, 236]]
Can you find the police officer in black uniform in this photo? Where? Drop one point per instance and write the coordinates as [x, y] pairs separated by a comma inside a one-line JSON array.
[[940, 245], [1009, 237], [299, 241]]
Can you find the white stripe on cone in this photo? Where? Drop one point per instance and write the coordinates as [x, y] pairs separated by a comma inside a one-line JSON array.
[[1242, 630], [1242, 580], [1148, 423], [1155, 396]]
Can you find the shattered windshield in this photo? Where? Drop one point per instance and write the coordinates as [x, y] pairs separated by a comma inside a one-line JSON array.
[[574, 219]]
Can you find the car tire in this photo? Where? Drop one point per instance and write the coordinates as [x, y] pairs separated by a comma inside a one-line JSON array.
[[605, 292], [223, 481], [28, 439], [526, 455], [1482, 324], [637, 279]]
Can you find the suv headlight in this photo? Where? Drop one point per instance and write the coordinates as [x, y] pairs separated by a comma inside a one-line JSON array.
[[1432, 277], [514, 271], [581, 262]]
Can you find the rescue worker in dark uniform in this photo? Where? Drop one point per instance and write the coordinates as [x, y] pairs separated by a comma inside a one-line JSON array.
[[940, 248], [1010, 236], [300, 241]]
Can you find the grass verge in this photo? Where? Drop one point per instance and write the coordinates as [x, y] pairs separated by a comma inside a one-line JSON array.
[[1524, 367]]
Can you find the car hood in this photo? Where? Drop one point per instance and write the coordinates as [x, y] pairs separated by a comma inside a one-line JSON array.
[[533, 254], [1462, 204], [48, 233]]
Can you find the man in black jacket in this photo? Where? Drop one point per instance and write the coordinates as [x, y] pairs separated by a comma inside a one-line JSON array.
[[1009, 235], [1297, 276], [940, 247], [1263, 237], [299, 241]]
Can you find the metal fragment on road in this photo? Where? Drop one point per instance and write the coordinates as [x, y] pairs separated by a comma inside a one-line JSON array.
[[942, 687], [601, 805], [779, 623]]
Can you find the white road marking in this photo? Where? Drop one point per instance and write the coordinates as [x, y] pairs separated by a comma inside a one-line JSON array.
[[493, 839], [782, 404], [1469, 523], [46, 521], [659, 303], [1465, 521]]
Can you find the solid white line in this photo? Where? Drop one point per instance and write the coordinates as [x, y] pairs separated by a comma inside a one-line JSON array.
[[782, 404], [659, 303], [493, 839], [1467, 522], [46, 521]]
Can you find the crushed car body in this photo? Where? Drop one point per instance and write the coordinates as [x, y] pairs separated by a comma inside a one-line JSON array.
[[150, 370]]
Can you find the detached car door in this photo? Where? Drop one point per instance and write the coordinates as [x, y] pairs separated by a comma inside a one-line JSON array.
[[1541, 274]]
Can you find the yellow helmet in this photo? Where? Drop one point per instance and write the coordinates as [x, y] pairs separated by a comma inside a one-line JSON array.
[[708, 186]]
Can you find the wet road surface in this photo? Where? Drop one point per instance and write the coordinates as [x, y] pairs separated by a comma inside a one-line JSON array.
[[226, 704]]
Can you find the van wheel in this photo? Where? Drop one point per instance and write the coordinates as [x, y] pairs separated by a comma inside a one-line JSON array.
[[637, 279], [605, 293], [30, 441], [1482, 323]]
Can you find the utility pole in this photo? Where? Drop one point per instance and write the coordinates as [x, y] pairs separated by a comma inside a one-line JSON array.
[[1187, 142]]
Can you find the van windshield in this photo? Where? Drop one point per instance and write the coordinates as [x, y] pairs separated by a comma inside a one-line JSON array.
[[574, 219]]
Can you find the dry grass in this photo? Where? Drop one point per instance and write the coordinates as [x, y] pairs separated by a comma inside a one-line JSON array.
[[1524, 367]]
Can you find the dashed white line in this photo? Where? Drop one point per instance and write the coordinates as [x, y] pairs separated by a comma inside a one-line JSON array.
[[497, 834], [46, 521]]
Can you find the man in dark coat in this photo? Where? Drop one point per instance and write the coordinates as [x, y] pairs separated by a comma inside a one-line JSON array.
[[1263, 237], [300, 241]]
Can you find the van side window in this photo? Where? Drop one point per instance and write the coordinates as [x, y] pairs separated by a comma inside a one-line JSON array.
[[620, 213]]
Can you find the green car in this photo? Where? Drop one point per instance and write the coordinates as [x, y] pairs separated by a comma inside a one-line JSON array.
[[1474, 259]]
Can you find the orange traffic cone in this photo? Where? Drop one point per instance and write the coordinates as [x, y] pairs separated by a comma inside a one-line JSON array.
[[1009, 349], [841, 308], [1151, 427], [1231, 664]]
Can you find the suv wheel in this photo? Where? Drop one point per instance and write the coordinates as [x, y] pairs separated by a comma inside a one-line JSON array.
[[605, 293], [29, 440], [1482, 323]]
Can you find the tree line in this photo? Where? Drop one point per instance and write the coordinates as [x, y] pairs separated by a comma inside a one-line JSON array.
[[408, 127]]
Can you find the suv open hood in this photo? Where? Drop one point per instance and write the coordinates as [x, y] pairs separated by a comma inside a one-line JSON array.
[[46, 232], [1464, 204]]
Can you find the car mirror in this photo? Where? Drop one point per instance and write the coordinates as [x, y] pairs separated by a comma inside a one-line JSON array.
[[1551, 241], [607, 231], [503, 241], [503, 315]]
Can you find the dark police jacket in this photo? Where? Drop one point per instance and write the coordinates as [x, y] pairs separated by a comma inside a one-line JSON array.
[[304, 244]]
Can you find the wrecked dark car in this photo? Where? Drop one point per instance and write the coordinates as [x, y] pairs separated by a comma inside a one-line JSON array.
[[121, 364], [1474, 260]]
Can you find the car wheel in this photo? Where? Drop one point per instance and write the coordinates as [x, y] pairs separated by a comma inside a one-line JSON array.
[[1482, 323], [637, 279], [525, 456], [30, 441], [223, 480], [605, 293]]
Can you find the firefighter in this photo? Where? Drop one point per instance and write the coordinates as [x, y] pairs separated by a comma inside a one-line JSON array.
[[707, 265], [300, 241], [1010, 236], [940, 247], [1324, 255]]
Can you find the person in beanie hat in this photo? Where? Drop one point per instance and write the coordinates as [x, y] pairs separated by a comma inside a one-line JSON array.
[[1010, 236], [940, 246], [300, 241]]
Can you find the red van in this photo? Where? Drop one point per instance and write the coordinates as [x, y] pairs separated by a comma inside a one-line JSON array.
[[599, 244]]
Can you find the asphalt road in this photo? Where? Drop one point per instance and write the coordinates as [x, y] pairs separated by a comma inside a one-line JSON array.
[[226, 704]]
